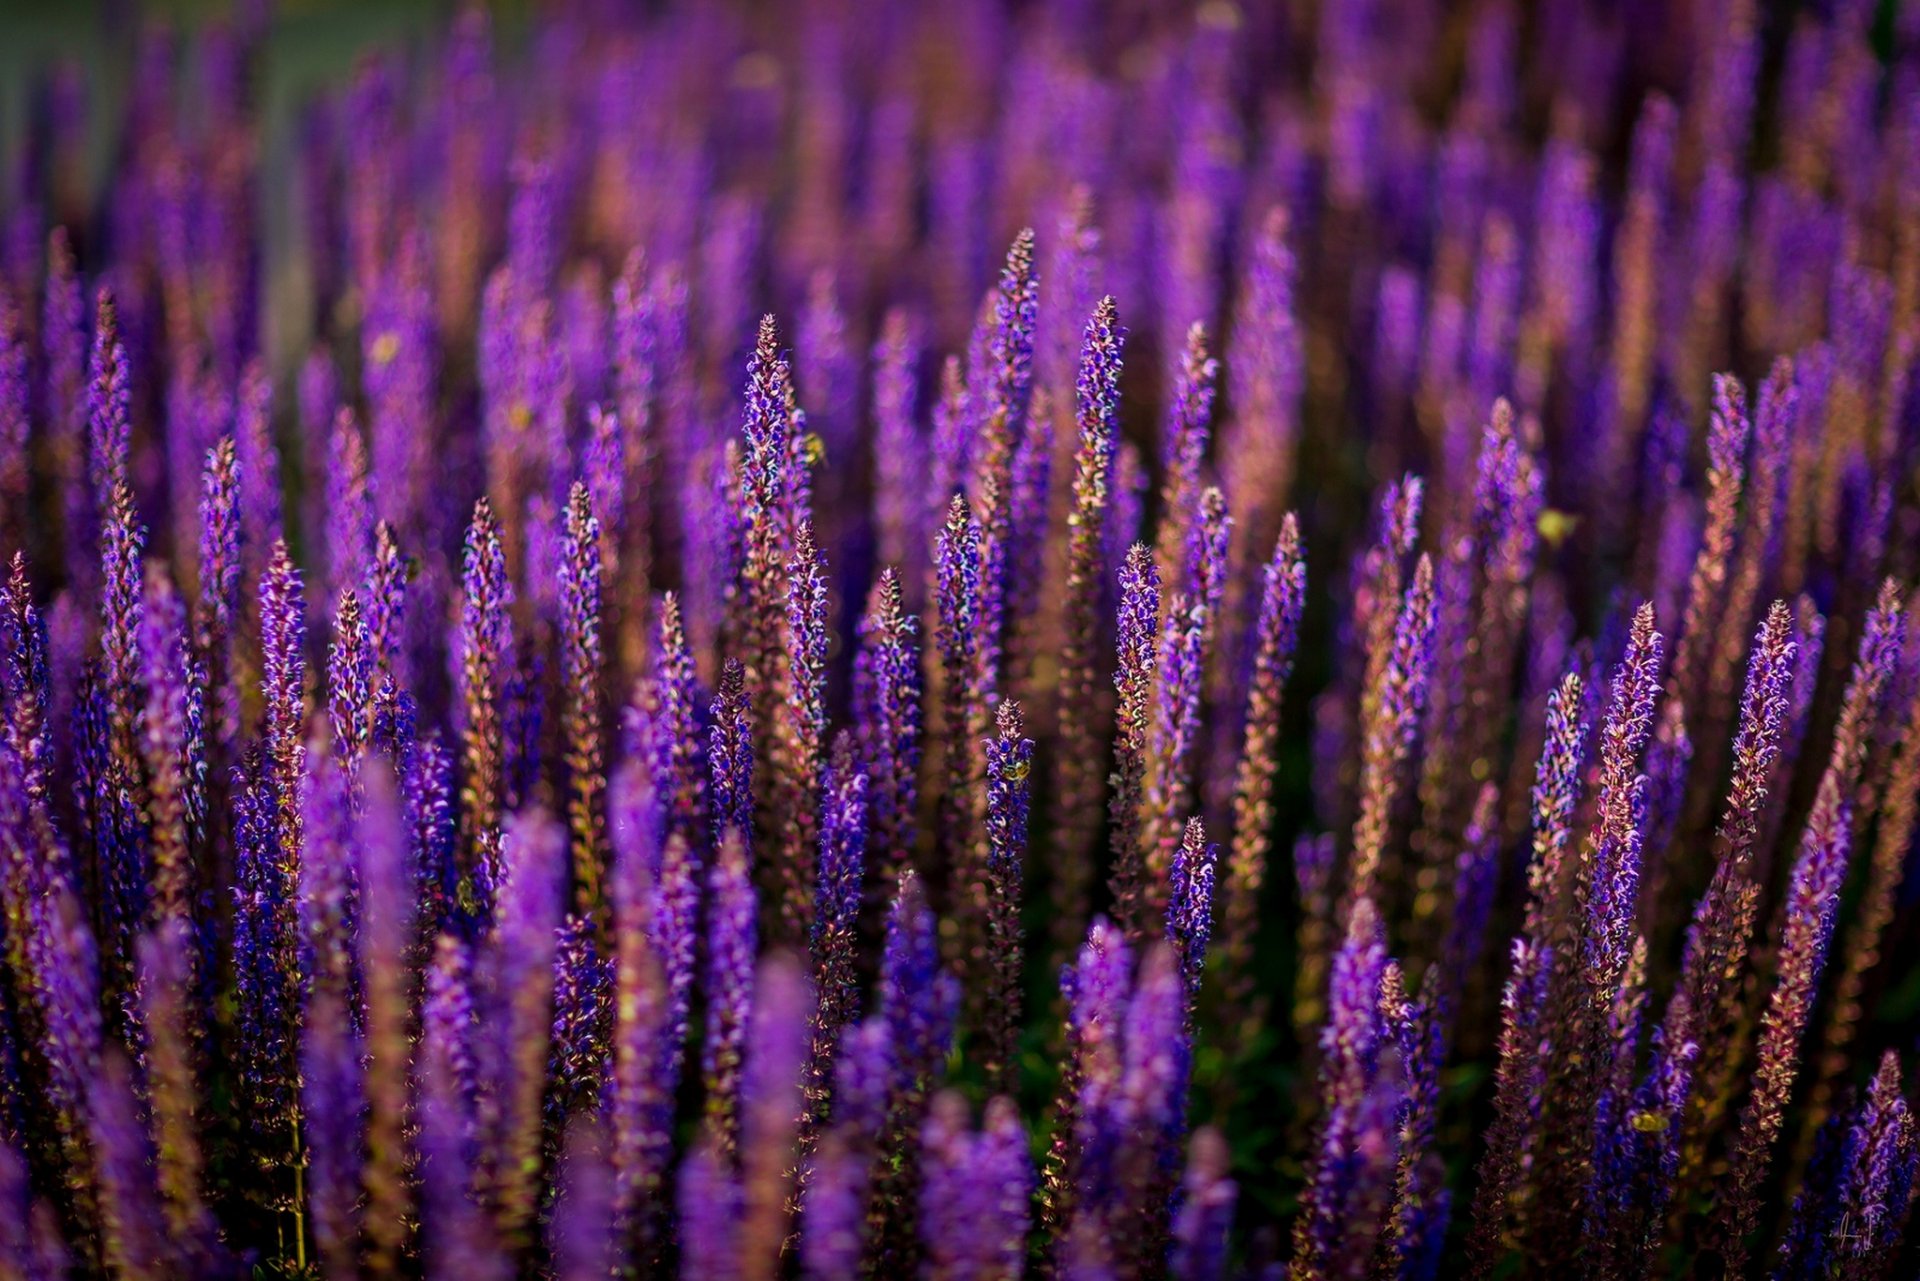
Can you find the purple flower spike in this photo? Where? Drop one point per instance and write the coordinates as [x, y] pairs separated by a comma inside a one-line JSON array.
[[1812, 902], [843, 836], [170, 744], [710, 1206], [580, 1235], [770, 1108], [1190, 903], [1705, 1003], [647, 1042], [731, 941], [1556, 789], [283, 626], [1276, 635], [350, 506], [662, 728], [1009, 771], [1207, 1198], [916, 1007], [1351, 1175], [730, 756], [887, 711], [1390, 730], [833, 1221], [973, 1215], [1079, 781], [1612, 873], [581, 663], [15, 396], [795, 778], [166, 985], [486, 649], [350, 683], [218, 607], [109, 427], [515, 993], [1186, 641], [957, 590], [582, 1030], [333, 1107], [386, 943], [134, 1240], [1002, 419], [1135, 677], [1185, 451], [900, 452], [25, 689]]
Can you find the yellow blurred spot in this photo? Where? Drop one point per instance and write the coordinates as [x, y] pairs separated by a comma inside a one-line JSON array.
[[816, 449], [1649, 1122], [1556, 526], [385, 348]]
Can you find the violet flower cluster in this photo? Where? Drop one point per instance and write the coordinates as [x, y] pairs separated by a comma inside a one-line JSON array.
[[966, 641]]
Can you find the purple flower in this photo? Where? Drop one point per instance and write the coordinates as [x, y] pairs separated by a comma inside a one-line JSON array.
[[1351, 1177], [1135, 677], [1806, 931], [731, 939], [887, 709], [1009, 769], [974, 1200], [514, 997], [1079, 773], [1389, 730], [109, 428], [485, 656], [795, 778], [1276, 635], [1190, 902], [1207, 1198], [581, 662], [730, 756]]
